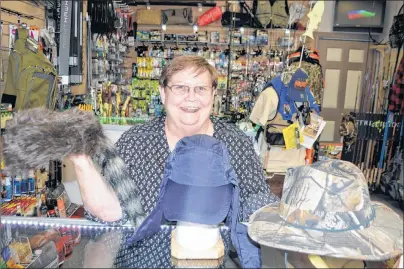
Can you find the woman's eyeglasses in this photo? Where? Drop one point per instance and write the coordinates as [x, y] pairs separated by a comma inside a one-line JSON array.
[[183, 89]]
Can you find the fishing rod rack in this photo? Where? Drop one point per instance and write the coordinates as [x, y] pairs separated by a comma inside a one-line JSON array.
[[16, 13]]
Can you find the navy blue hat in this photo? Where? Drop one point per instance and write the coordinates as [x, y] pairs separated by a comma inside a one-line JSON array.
[[198, 186], [297, 86]]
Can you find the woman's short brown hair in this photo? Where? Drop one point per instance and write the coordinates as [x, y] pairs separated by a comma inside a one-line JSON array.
[[180, 63]]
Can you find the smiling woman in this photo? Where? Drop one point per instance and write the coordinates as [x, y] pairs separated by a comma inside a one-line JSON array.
[[187, 88]]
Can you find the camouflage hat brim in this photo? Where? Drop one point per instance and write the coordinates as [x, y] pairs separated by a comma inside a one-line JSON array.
[[380, 241]]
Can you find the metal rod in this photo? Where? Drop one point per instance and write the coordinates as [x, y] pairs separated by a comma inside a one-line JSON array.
[[304, 43], [13, 12], [345, 39], [67, 221]]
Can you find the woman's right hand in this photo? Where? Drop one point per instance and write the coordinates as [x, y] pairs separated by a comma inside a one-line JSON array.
[[100, 200], [81, 161]]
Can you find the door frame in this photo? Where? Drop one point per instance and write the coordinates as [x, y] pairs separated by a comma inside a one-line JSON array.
[[360, 41]]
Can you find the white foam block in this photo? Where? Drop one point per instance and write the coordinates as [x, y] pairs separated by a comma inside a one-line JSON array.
[[197, 236], [213, 254]]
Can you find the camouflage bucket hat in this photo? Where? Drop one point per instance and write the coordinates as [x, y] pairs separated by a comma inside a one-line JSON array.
[[326, 210]]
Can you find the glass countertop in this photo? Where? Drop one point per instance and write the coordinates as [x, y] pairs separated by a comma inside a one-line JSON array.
[[79, 243]]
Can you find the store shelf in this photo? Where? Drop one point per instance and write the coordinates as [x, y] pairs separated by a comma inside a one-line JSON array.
[[195, 43], [213, 28], [115, 120], [210, 28]]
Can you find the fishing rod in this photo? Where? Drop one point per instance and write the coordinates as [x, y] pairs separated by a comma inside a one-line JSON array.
[[389, 121]]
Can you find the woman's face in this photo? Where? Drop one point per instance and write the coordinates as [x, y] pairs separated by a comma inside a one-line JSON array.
[[190, 109]]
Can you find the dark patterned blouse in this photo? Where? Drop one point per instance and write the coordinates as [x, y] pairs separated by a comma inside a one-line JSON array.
[[144, 149]]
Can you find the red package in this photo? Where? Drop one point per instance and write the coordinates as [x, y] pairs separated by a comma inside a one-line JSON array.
[[212, 15]]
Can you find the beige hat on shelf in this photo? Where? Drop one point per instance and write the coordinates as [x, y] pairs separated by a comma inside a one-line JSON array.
[[326, 210]]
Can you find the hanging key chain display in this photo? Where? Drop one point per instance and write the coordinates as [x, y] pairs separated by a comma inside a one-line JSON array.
[[111, 78]]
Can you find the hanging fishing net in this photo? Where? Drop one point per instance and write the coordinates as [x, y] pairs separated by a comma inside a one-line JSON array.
[[296, 12], [396, 36]]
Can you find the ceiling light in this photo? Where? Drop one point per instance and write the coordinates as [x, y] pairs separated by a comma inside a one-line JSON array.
[[164, 27]]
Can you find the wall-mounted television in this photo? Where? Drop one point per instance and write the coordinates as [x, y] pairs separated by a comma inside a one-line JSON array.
[[359, 16]]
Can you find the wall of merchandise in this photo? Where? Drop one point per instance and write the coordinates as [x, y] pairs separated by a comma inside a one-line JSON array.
[[256, 56], [126, 65]]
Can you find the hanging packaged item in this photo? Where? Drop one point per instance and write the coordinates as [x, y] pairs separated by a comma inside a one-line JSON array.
[[203, 36], [192, 38], [261, 37], [241, 19], [240, 14], [31, 77], [181, 16], [212, 15], [214, 37]]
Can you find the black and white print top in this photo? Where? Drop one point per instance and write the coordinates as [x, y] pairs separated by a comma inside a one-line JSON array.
[[144, 149]]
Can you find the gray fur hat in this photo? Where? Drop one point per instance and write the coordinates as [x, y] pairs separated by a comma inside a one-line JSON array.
[[36, 136]]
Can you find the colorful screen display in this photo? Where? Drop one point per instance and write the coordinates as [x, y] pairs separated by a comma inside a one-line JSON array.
[[359, 13]]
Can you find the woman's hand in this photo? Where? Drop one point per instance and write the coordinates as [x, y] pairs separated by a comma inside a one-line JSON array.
[[80, 161], [100, 200]]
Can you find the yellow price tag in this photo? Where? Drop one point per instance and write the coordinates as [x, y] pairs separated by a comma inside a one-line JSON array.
[[290, 136]]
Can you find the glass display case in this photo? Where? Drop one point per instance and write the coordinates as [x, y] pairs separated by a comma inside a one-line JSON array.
[[45, 227], [34, 242]]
